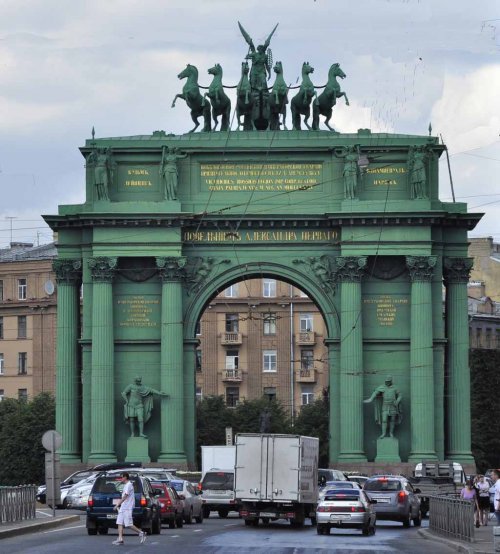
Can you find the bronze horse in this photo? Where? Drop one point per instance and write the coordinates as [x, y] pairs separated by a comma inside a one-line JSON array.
[[301, 102], [195, 101], [221, 105], [245, 100], [278, 99], [323, 105]]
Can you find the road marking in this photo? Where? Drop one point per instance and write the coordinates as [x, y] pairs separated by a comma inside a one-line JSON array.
[[43, 513], [63, 529], [230, 524], [197, 530], [174, 536]]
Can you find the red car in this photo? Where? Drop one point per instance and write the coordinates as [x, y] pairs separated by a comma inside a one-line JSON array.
[[171, 505]]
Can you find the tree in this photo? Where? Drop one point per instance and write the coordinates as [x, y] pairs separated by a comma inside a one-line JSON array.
[[212, 416], [485, 381], [313, 421], [22, 425], [247, 416]]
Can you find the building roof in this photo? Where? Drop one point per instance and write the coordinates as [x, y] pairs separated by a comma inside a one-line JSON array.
[[23, 251]]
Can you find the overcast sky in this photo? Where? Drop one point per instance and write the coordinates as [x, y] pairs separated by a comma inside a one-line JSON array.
[[66, 66]]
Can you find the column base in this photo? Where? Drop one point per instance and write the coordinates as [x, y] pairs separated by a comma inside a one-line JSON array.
[[417, 457], [138, 450], [352, 457], [461, 457], [387, 450], [173, 458], [70, 457]]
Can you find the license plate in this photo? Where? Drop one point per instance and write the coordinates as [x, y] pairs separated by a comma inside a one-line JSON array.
[[335, 517], [267, 514], [383, 500], [111, 516]]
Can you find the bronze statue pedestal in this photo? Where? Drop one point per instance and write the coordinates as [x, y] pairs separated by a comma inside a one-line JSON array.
[[388, 450], [137, 450]]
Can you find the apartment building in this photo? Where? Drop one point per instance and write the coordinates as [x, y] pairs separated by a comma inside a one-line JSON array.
[[262, 337], [27, 320]]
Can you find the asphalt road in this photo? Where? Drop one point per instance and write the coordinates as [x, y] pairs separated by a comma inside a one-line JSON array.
[[226, 536]]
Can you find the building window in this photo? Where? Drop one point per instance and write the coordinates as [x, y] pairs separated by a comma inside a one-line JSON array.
[[232, 323], [198, 328], [478, 337], [269, 360], [487, 338], [232, 396], [198, 360], [1, 290], [1, 327], [21, 326], [270, 393], [22, 394], [269, 288], [22, 289], [306, 323], [232, 357], [306, 359], [22, 365], [199, 394], [231, 291], [307, 395], [269, 324], [2, 394], [1, 364]]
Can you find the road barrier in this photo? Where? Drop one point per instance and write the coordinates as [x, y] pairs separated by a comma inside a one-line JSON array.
[[17, 503], [452, 517]]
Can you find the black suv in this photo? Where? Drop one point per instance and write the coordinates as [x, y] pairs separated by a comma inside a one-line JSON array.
[[107, 491]]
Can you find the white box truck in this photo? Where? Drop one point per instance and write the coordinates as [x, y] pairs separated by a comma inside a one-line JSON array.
[[276, 477], [217, 457], [217, 480]]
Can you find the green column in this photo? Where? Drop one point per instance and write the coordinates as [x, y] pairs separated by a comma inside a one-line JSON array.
[[334, 382], [68, 276], [423, 446], [190, 400], [457, 330], [171, 361], [350, 272], [102, 443]]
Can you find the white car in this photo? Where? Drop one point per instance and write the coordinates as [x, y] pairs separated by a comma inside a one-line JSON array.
[[77, 496], [193, 505]]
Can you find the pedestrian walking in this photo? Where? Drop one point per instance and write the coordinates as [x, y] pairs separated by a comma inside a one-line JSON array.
[[469, 493], [495, 475], [125, 507], [483, 498]]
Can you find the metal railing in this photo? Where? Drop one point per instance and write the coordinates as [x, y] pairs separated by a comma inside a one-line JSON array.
[[452, 517], [17, 503]]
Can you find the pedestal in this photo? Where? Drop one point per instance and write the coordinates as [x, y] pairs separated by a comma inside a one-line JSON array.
[[387, 450], [137, 450]]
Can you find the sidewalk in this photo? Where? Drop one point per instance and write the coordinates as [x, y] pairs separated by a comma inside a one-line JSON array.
[[483, 543], [41, 522]]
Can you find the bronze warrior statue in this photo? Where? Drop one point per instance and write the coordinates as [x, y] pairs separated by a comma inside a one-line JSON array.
[[387, 406]]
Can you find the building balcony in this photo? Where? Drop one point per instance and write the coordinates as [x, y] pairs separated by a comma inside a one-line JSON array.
[[306, 376], [232, 376], [306, 338], [231, 338]]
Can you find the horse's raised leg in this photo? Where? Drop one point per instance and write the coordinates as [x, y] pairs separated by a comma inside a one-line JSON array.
[[175, 98], [345, 96]]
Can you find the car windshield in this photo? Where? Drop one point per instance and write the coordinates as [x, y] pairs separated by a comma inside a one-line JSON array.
[[382, 485], [218, 480], [177, 485], [342, 495]]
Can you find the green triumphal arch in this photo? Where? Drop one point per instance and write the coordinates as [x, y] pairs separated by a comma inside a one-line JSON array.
[[352, 219]]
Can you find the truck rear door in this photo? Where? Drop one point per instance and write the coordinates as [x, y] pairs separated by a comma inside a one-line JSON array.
[[283, 468], [250, 467]]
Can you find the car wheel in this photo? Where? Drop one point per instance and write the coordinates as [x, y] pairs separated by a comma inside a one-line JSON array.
[[248, 522], [265, 521], [407, 521], [199, 519], [206, 511], [189, 518], [92, 531], [156, 526], [102, 530], [417, 521], [223, 513], [320, 530], [180, 522], [171, 524]]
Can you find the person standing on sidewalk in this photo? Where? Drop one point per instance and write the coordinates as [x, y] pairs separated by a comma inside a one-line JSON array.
[[483, 492], [495, 475], [125, 507], [469, 493]]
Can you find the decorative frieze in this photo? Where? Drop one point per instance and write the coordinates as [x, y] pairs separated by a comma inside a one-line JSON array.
[[421, 268], [103, 269], [324, 270]]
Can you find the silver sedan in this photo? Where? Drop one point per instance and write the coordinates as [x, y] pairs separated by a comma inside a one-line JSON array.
[[193, 506]]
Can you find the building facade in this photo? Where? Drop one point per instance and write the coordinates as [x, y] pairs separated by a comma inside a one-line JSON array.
[[262, 337], [27, 320], [486, 268]]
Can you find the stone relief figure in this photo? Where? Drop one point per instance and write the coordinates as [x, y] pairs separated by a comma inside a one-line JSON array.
[[261, 59], [198, 271], [100, 159], [387, 406], [418, 180], [323, 269], [139, 405], [168, 171], [350, 173]]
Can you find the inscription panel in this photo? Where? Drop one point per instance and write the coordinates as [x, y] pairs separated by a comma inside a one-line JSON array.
[[137, 316], [386, 315], [251, 236], [386, 175], [134, 180], [265, 177]]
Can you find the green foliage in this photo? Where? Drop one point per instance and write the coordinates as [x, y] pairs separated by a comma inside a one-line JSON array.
[[22, 425], [247, 416], [212, 416], [313, 421], [485, 382]]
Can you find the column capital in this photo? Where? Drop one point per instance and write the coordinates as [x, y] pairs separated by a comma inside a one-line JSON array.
[[457, 270], [421, 268], [67, 271], [170, 268], [351, 268], [103, 268]]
